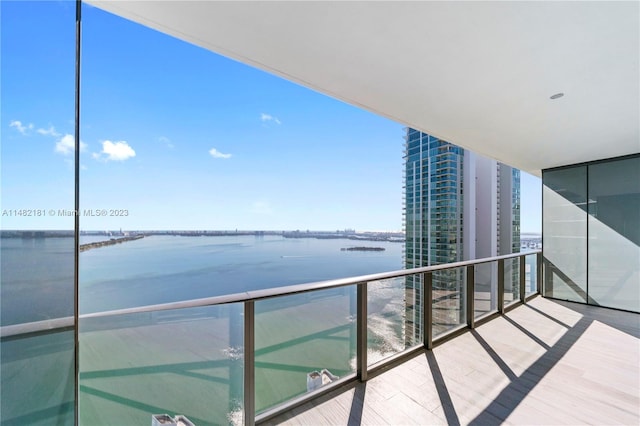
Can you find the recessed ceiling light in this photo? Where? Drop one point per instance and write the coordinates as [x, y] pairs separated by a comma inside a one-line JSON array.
[[557, 95]]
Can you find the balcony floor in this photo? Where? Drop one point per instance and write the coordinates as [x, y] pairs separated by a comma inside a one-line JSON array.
[[544, 363]]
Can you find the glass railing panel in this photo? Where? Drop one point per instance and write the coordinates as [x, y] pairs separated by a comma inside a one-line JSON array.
[[413, 303], [449, 299], [303, 342], [179, 362], [531, 274], [511, 280], [37, 379], [393, 316], [485, 288]]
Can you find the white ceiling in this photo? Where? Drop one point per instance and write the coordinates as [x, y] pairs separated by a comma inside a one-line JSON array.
[[478, 74]]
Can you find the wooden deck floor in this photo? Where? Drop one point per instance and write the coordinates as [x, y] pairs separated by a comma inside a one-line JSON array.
[[546, 363]]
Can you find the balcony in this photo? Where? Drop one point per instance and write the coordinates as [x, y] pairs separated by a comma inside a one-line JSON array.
[[462, 343], [191, 357], [545, 362]]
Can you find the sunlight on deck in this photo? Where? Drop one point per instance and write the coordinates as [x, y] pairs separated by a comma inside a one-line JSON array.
[[547, 362]]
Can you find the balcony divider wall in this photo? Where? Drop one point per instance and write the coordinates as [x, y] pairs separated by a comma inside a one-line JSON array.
[[591, 231]]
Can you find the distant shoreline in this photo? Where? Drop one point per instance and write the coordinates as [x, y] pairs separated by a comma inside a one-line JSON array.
[[111, 242], [395, 237]]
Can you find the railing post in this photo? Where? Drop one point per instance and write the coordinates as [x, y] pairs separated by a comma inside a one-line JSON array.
[[522, 265], [361, 331], [427, 310], [501, 286], [249, 364], [471, 323]]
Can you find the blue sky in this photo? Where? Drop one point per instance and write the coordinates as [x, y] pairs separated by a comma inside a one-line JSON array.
[[181, 138]]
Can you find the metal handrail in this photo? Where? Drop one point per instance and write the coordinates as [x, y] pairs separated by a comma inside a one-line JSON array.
[[246, 296], [255, 295], [53, 324]]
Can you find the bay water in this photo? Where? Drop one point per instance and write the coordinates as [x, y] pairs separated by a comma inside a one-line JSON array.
[[37, 274], [190, 361]]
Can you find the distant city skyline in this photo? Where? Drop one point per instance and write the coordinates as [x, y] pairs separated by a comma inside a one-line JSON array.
[[177, 137]]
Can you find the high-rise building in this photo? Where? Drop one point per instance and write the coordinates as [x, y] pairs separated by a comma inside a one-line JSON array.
[[458, 205]]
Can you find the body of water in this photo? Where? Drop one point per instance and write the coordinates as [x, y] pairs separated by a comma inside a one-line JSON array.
[[37, 274], [133, 366]]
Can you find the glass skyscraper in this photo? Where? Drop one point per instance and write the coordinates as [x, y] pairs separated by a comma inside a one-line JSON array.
[[458, 206]]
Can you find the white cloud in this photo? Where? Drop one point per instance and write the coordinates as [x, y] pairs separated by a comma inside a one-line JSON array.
[[20, 127], [166, 141], [217, 154], [268, 117], [114, 151], [66, 145], [51, 131]]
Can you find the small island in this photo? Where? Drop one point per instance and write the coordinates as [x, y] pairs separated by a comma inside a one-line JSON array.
[[363, 249]]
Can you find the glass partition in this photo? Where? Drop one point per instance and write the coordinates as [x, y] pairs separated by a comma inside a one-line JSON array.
[[387, 333], [511, 280], [593, 254], [413, 303], [486, 288], [565, 233], [614, 234], [178, 362], [37, 370], [449, 300], [531, 274], [303, 342]]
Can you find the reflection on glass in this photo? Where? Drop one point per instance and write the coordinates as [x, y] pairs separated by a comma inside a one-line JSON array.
[[565, 233], [486, 288], [37, 285], [303, 342], [614, 234], [511, 280], [531, 274], [187, 361], [413, 309], [37, 377], [37, 276], [385, 320], [610, 265], [449, 299]]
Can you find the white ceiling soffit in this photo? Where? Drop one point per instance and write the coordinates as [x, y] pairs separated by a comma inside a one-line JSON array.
[[478, 74]]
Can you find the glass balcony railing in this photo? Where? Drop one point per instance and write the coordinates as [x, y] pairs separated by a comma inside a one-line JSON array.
[[182, 361], [246, 357], [531, 274], [485, 290], [448, 299], [511, 277], [392, 304], [302, 342]]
